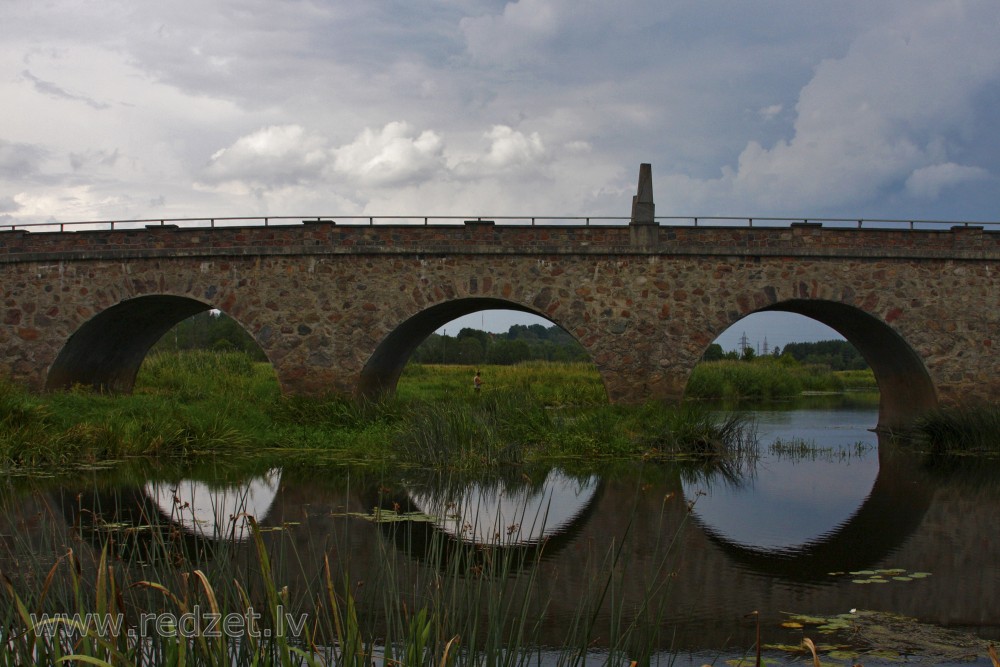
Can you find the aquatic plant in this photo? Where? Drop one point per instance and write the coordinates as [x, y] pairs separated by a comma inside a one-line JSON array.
[[968, 428], [139, 592]]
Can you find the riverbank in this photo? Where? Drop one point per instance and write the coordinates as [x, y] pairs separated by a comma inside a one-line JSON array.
[[199, 403]]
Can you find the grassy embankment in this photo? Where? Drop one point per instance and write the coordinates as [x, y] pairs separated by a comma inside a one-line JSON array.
[[208, 402]]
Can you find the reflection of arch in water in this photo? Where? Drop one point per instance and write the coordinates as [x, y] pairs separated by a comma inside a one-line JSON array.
[[885, 519], [445, 528], [496, 515], [215, 512]]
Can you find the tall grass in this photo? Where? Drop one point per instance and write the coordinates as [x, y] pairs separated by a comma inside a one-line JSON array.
[[199, 403], [767, 378], [462, 604], [973, 428]]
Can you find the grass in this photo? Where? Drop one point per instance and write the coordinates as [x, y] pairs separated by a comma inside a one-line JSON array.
[[767, 378], [462, 604], [197, 403], [960, 429]]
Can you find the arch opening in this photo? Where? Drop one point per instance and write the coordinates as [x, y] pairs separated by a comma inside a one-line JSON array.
[[905, 387], [382, 372], [107, 351]]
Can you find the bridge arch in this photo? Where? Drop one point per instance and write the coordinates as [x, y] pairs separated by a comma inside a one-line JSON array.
[[905, 386], [106, 351], [906, 389], [381, 373]]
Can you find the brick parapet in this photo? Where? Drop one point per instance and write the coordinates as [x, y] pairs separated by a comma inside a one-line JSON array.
[[482, 238]]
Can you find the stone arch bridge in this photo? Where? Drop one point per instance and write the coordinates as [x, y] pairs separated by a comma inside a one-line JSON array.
[[340, 308]]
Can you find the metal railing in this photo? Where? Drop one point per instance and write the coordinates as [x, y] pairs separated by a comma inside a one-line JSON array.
[[444, 220]]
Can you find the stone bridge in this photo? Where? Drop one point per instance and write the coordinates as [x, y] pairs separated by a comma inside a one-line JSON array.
[[340, 308]]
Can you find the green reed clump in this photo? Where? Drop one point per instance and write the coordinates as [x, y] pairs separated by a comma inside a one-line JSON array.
[[427, 599], [494, 428], [695, 431], [971, 428], [761, 378]]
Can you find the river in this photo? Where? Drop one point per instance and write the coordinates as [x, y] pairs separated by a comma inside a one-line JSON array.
[[826, 522]]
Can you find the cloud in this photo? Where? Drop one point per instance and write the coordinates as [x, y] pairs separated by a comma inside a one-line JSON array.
[[881, 119], [18, 161], [769, 112], [52, 90], [392, 156], [928, 182], [8, 205], [271, 157]]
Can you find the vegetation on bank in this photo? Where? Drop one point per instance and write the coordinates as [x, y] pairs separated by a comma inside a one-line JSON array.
[[771, 377], [203, 402], [960, 429], [455, 604]]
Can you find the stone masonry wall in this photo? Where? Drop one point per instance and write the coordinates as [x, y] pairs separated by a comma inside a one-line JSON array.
[[320, 298]]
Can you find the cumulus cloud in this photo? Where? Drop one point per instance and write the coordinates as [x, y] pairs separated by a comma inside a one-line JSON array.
[[521, 106], [874, 121], [394, 155], [274, 156]]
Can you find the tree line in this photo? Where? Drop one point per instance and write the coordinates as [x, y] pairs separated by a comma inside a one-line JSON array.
[[534, 342], [838, 355]]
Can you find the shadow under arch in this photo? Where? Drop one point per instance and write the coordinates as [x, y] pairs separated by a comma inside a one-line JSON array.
[[905, 387], [381, 374], [105, 353], [886, 518]]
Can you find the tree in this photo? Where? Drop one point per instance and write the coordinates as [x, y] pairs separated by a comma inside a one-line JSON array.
[[713, 353]]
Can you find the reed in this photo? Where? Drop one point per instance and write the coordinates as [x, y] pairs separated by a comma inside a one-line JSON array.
[[461, 603], [766, 378], [971, 428]]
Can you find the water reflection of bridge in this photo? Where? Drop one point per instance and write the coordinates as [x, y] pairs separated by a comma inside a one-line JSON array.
[[901, 523]]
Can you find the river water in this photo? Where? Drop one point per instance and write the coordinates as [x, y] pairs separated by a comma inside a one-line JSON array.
[[826, 521]]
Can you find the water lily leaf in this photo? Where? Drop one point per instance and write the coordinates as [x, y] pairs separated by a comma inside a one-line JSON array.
[[920, 575], [808, 620], [866, 573], [792, 624], [902, 578]]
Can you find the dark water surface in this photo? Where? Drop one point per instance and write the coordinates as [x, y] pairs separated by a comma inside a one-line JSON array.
[[783, 539]]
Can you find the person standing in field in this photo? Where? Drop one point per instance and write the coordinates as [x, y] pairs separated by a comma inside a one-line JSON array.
[[477, 383]]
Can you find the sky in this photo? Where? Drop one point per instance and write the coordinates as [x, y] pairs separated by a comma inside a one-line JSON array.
[[123, 109]]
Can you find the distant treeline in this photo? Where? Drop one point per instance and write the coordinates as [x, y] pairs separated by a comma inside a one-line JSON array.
[[214, 330], [838, 355], [521, 343]]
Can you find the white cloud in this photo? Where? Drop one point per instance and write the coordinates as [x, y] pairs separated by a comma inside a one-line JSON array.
[[113, 109], [928, 182], [271, 156], [392, 156]]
